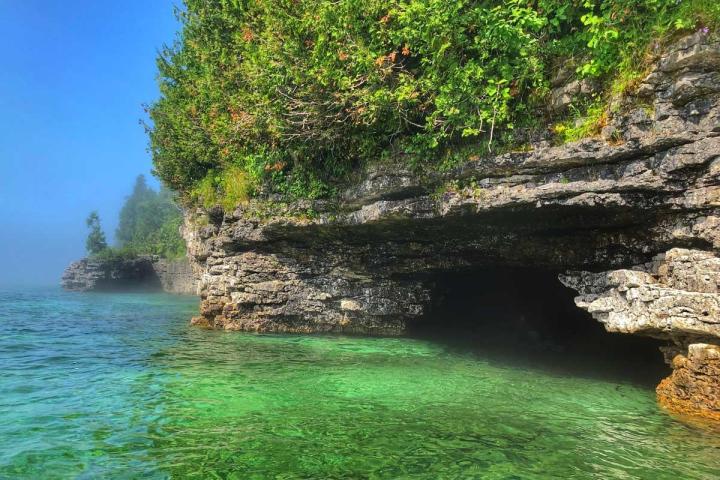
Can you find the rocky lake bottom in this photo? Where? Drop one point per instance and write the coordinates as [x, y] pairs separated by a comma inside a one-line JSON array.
[[120, 386]]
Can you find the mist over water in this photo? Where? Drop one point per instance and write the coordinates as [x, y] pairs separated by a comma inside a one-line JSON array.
[[120, 386], [72, 85]]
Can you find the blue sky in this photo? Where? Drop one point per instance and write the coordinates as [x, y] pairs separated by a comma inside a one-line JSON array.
[[73, 78]]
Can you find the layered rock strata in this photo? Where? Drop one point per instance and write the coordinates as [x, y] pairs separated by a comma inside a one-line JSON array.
[[367, 262]]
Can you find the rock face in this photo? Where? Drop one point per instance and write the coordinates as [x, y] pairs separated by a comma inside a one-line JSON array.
[[644, 208], [693, 387], [675, 297], [141, 273], [176, 276]]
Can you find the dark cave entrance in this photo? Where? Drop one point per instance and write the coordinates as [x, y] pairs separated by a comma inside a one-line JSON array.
[[526, 315]]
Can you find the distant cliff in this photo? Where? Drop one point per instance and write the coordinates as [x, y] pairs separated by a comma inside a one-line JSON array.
[[146, 272]]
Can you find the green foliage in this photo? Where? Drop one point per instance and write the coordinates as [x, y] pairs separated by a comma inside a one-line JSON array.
[[95, 242], [623, 38], [149, 222], [165, 241], [620, 32], [586, 125], [227, 188], [290, 96], [137, 216]]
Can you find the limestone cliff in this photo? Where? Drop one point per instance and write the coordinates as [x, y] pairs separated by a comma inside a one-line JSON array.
[[145, 272], [176, 276], [641, 205]]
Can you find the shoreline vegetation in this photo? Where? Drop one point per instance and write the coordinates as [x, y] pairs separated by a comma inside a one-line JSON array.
[[291, 98], [149, 224]]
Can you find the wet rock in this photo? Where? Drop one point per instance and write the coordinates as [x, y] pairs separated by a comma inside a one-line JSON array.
[[693, 387]]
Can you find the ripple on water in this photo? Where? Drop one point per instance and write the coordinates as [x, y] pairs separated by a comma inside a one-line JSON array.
[[119, 386]]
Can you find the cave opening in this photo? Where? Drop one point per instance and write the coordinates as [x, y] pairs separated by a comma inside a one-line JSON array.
[[526, 316]]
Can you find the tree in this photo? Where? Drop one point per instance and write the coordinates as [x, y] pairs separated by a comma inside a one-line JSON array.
[[136, 216], [95, 242], [149, 222]]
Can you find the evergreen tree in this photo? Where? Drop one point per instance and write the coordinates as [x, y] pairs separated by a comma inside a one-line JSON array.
[[149, 222], [137, 217], [95, 242]]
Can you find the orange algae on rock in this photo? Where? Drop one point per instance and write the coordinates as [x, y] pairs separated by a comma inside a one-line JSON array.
[[693, 388]]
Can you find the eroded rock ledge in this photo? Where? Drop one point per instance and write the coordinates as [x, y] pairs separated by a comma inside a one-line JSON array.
[[675, 298], [367, 263]]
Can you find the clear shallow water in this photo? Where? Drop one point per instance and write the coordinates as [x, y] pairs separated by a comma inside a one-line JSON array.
[[119, 386]]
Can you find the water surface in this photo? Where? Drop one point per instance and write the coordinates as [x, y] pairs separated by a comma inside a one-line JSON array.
[[119, 386]]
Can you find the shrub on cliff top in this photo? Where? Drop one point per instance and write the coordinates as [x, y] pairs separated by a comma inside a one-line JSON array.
[[290, 95]]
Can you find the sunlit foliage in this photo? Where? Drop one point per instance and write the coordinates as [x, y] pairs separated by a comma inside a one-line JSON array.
[[289, 96]]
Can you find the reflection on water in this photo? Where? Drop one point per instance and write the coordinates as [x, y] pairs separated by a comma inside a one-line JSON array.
[[119, 386]]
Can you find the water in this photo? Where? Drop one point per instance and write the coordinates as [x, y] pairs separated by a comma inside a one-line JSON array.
[[119, 386]]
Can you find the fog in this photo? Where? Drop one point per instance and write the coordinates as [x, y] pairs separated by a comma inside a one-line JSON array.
[[72, 86]]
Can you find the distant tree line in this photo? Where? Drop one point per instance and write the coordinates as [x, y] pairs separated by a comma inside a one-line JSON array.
[[149, 223]]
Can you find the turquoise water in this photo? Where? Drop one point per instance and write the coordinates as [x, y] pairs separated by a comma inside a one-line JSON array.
[[119, 386]]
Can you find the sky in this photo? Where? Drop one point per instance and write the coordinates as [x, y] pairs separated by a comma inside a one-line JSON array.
[[74, 76]]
